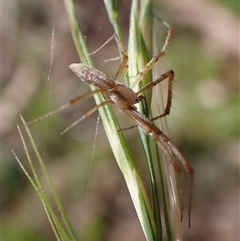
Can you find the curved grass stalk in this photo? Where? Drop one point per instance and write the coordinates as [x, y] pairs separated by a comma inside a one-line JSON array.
[[139, 50], [116, 139], [61, 232]]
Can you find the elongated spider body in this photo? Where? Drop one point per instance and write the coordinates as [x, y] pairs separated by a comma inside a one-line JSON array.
[[115, 92]]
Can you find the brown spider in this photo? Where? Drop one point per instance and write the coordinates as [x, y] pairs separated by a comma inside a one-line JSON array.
[[115, 92]]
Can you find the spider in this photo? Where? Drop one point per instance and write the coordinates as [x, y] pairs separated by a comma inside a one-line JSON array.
[[115, 92]]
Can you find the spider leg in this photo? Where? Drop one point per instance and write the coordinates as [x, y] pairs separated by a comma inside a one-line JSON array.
[[186, 166], [154, 60], [154, 132], [122, 70], [170, 75], [103, 45], [173, 154], [87, 115], [190, 172], [68, 104]]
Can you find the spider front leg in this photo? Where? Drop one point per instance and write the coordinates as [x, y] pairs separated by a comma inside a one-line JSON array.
[[90, 112], [155, 59], [65, 106], [170, 75], [122, 70]]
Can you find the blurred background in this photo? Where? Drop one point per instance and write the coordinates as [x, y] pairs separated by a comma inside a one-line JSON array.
[[204, 120]]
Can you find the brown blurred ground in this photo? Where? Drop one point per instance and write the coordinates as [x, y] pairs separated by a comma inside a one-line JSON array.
[[204, 122]]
